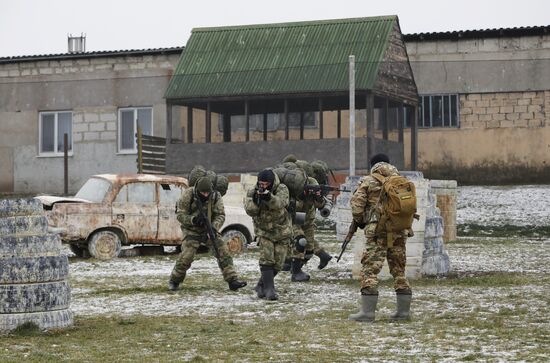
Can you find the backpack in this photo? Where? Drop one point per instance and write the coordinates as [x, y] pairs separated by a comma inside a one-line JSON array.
[[397, 204], [295, 180]]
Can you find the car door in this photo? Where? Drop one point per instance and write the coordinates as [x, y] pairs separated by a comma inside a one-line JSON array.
[[135, 209], [169, 229]]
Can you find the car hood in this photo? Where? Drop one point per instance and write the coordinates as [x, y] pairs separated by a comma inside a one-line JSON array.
[[50, 200]]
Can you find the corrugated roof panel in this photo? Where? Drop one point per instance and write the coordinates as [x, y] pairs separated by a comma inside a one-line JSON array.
[[280, 58]]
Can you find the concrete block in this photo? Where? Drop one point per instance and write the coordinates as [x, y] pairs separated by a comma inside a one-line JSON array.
[[80, 127], [434, 227], [120, 67], [83, 62], [512, 116], [414, 249], [137, 66], [488, 45], [4, 73], [91, 136], [97, 126], [448, 46], [91, 117], [14, 73], [101, 67], [110, 126], [519, 109], [108, 135], [109, 116], [436, 265]]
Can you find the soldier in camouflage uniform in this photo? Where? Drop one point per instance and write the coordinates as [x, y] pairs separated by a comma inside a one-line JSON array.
[[267, 205], [194, 231], [305, 244], [366, 213]]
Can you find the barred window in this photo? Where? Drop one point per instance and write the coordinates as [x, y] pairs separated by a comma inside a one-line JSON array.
[[438, 111]]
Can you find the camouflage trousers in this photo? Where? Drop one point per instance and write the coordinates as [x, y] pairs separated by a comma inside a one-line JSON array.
[[189, 248], [373, 259], [273, 253]]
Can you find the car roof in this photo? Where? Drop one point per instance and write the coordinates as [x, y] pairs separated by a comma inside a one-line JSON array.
[[128, 178]]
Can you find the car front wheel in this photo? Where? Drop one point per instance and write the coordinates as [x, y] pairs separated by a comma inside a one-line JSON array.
[[104, 245]]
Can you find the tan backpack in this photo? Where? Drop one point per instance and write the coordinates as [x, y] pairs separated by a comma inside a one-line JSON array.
[[397, 204]]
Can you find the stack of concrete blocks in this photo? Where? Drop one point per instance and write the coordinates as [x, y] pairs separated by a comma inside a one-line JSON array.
[[422, 249]]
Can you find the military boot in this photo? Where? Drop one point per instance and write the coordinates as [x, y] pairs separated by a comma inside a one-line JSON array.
[[236, 284], [297, 274], [367, 310], [404, 297], [260, 289], [286, 264], [268, 275], [324, 259], [173, 286]]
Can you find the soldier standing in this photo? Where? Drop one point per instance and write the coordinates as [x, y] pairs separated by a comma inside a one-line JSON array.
[[197, 206], [267, 205], [305, 244], [366, 212]]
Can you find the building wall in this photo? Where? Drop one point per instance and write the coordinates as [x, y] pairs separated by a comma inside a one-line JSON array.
[[93, 89]]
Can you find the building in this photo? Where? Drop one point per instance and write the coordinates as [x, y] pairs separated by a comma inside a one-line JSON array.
[[484, 112]]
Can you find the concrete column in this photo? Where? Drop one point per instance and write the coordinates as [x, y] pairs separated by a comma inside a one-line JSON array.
[[189, 124]]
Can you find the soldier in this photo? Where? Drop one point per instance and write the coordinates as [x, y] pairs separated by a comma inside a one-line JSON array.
[[267, 205], [194, 224], [366, 213], [305, 244]]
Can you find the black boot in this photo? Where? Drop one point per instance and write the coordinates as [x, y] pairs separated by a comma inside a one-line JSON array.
[[268, 273], [236, 284], [297, 274], [324, 259], [173, 286], [260, 289], [286, 264], [404, 298]]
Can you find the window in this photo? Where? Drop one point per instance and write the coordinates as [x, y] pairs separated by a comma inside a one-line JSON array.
[[128, 121], [94, 190], [438, 111], [137, 193], [275, 121], [52, 127], [169, 194]]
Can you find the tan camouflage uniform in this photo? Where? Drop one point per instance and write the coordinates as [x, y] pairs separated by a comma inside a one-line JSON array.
[[194, 236], [363, 207], [272, 224], [308, 207]]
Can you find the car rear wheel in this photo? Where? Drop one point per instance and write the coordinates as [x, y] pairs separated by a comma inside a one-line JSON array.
[[236, 241], [104, 245]]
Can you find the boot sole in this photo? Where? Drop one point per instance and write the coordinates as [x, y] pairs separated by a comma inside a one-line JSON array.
[[362, 320]]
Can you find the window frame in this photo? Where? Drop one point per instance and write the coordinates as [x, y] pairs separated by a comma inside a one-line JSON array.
[[120, 150], [427, 100], [54, 153]]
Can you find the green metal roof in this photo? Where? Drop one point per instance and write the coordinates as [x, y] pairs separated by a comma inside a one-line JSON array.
[[286, 58]]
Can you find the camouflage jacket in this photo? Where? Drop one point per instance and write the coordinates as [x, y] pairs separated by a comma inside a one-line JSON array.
[[188, 208], [271, 218], [365, 199]]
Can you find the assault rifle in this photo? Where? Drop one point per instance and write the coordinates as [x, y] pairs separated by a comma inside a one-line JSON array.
[[209, 229], [324, 189], [352, 229]]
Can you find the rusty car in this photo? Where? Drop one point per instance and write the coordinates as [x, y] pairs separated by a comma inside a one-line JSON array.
[[114, 210]]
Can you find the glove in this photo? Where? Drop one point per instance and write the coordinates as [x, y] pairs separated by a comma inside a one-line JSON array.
[[265, 196], [199, 221], [256, 198], [361, 225]]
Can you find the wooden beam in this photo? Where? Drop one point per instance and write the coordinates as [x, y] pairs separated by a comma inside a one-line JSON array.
[[339, 124], [370, 125], [189, 124], [320, 118], [168, 123], [265, 127], [247, 119], [208, 124], [400, 122], [301, 125], [386, 119], [287, 130], [414, 139]]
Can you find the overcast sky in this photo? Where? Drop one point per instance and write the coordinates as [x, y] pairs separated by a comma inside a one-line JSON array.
[[30, 27]]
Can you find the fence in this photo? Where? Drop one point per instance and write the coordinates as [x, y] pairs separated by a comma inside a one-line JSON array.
[[151, 154]]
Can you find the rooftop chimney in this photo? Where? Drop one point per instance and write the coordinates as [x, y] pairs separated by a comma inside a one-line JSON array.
[[77, 44]]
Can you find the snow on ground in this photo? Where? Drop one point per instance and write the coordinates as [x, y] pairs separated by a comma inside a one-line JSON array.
[[519, 205]]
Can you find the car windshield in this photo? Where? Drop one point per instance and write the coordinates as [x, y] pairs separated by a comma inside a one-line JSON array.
[[94, 190]]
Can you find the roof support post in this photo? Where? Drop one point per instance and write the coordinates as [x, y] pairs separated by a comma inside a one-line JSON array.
[[226, 124], [265, 126], [414, 139], [189, 124], [301, 125], [320, 118], [168, 122], [400, 122], [287, 133], [208, 124], [339, 124], [247, 119], [370, 125], [386, 119]]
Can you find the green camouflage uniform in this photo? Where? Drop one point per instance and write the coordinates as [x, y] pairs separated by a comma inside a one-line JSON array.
[[272, 224], [363, 208], [308, 207], [194, 236]]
